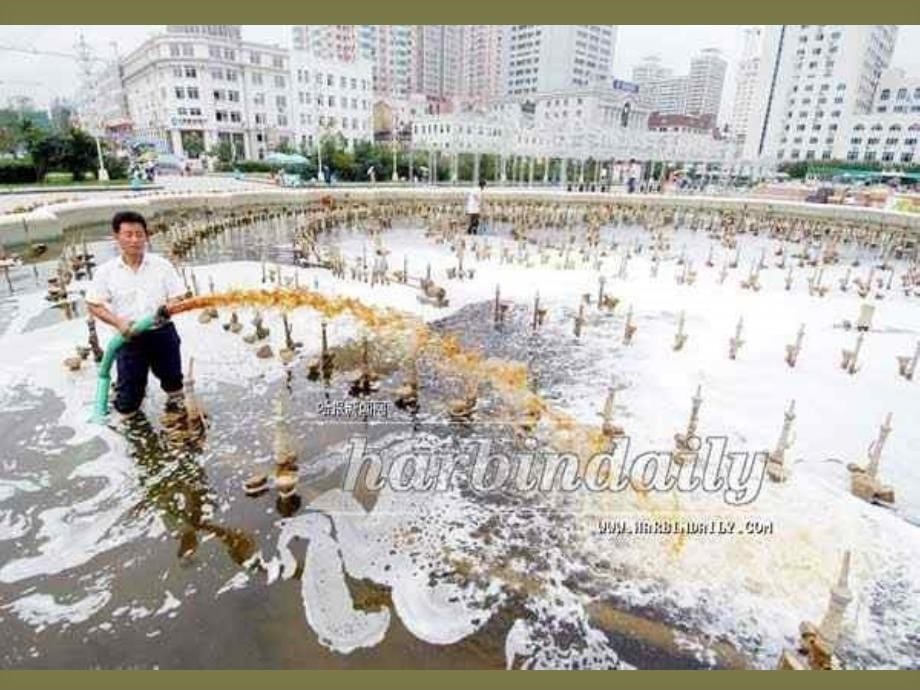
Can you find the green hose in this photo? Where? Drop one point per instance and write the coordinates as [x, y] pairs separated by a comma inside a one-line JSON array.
[[101, 410]]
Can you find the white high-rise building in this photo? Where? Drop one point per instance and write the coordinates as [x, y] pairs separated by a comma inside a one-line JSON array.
[[650, 69], [553, 57], [707, 77], [812, 79], [746, 81]]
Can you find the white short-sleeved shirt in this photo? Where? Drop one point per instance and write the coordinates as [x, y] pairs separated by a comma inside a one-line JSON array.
[[131, 294], [474, 201]]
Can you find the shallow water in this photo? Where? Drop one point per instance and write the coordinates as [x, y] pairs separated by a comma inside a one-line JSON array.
[[122, 550]]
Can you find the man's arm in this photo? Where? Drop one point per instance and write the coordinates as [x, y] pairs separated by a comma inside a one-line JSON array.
[[102, 312]]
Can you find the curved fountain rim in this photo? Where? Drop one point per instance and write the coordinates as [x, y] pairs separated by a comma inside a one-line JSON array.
[[83, 212]]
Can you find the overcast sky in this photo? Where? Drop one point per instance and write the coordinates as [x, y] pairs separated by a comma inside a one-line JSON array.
[[42, 76]]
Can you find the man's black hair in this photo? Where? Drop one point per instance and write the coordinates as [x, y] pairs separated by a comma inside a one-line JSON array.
[[127, 217]]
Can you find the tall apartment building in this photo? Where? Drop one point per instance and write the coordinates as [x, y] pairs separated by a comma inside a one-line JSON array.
[[482, 67], [704, 88], [746, 81], [813, 77], [551, 57]]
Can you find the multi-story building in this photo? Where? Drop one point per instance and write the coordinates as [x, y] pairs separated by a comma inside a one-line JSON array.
[[667, 96], [698, 93], [331, 98], [704, 89], [746, 82], [812, 79], [196, 86], [482, 76], [889, 133], [544, 58], [888, 138], [600, 123], [897, 92], [437, 60], [328, 41], [650, 69]]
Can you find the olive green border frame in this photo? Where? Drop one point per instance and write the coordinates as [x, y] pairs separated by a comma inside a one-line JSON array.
[[462, 11]]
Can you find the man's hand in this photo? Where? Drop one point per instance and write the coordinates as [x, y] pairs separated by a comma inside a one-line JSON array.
[[126, 327]]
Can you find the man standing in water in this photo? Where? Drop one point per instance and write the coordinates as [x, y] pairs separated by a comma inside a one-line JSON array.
[[124, 289], [474, 207]]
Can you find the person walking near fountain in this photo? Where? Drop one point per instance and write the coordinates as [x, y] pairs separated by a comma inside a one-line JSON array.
[[133, 285], [474, 207]]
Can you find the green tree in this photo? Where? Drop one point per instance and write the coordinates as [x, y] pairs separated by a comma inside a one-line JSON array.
[[192, 144], [79, 156], [47, 152], [223, 152]]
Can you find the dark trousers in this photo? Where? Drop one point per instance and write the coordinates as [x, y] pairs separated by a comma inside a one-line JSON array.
[[473, 229], [157, 351]]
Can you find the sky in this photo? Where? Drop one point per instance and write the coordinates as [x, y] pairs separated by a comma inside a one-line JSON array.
[[42, 77]]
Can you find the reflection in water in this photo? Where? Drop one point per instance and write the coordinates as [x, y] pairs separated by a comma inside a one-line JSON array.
[[176, 485]]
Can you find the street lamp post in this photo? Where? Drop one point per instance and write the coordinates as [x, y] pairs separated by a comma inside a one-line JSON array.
[[102, 174], [395, 175]]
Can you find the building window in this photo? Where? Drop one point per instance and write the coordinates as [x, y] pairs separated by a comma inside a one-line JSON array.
[[188, 50], [902, 94], [856, 141], [192, 92], [278, 62], [180, 92], [907, 157], [233, 96], [257, 78], [279, 81], [281, 102], [214, 52], [884, 95], [232, 75], [229, 54], [891, 141], [255, 59], [852, 155], [888, 156], [174, 50], [882, 109], [191, 72], [235, 117]]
